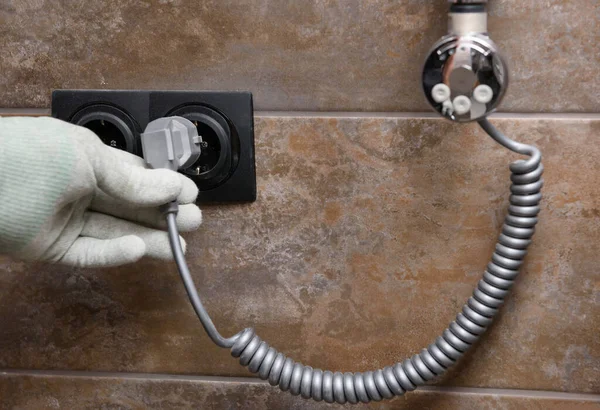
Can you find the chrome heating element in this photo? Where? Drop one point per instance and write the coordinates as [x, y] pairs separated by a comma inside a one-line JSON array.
[[464, 78]]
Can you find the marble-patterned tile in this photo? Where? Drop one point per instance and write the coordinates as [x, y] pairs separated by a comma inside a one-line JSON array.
[[42, 392], [315, 55], [368, 236]]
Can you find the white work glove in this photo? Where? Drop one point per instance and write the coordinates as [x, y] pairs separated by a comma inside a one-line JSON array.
[[66, 197]]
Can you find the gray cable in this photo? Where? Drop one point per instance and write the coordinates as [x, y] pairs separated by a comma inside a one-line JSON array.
[[476, 316], [188, 282]]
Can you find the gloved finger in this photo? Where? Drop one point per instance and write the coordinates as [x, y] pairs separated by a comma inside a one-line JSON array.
[[189, 217], [93, 253], [129, 183], [101, 226], [189, 190]]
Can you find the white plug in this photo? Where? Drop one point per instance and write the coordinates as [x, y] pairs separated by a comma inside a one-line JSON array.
[[171, 142]]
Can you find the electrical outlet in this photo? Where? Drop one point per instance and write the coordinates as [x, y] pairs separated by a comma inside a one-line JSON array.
[[225, 171]]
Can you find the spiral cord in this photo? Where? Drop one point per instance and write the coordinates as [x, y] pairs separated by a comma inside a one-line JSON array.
[[476, 315]]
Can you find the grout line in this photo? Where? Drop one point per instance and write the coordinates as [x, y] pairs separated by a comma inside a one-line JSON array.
[[421, 115], [129, 376], [353, 114], [24, 111], [536, 394], [345, 114], [548, 116], [484, 391]]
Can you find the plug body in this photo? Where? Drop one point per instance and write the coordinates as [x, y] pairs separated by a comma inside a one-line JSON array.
[[171, 142]]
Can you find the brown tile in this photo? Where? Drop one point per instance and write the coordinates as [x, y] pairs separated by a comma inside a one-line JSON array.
[[311, 55], [41, 392], [367, 237]]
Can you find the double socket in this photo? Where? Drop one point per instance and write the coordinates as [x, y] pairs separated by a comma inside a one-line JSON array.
[[225, 170]]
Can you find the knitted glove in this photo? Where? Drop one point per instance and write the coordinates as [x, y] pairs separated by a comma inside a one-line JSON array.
[[66, 197]]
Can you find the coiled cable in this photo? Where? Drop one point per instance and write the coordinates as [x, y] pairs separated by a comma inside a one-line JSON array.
[[476, 315]]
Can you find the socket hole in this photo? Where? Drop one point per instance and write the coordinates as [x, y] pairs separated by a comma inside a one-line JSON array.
[[218, 156], [113, 126], [211, 150], [108, 132]]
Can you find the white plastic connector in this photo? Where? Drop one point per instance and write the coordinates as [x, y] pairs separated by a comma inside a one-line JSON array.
[[461, 104], [462, 24], [440, 93], [171, 142], [483, 94], [447, 108]]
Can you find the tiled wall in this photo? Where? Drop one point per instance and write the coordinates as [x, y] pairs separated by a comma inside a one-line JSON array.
[[337, 55], [370, 230]]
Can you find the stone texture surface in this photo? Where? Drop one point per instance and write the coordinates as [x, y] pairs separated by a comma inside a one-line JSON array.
[[312, 55], [63, 392], [368, 235]]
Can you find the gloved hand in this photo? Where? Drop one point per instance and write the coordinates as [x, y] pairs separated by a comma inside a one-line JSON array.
[[66, 197]]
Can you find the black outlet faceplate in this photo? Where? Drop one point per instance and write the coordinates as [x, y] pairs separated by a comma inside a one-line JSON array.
[[226, 118]]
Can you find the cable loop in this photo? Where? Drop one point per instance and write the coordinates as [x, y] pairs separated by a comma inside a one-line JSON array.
[[476, 315]]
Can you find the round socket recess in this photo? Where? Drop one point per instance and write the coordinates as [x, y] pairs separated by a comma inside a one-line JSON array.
[[113, 126], [219, 151]]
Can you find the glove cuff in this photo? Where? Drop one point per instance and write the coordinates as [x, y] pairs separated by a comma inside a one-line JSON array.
[[34, 173]]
